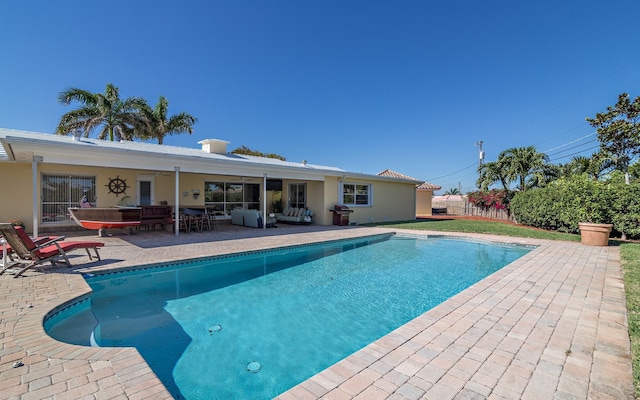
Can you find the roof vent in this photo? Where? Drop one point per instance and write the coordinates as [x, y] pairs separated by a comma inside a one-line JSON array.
[[214, 146], [304, 162], [76, 135]]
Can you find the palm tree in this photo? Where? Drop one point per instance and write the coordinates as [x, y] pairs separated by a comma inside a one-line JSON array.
[[594, 166], [161, 125], [492, 172], [106, 109], [522, 164], [547, 173], [452, 191]]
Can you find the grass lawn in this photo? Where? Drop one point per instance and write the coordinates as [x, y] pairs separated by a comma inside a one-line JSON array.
[[482, 226], [629, 253]]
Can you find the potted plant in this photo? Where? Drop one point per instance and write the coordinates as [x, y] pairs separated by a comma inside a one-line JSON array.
[[17, 222], [595, 234], [276, 206], [595, 228]]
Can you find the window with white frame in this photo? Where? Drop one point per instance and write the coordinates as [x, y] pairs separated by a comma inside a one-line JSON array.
[[356, 194], [222, 197], [61, 191]]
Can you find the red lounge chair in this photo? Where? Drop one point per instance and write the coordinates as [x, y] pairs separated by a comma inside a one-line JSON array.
[[38, 240], [29, 254]]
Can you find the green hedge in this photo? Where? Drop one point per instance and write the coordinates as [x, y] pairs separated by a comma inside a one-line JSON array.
[[567, 202]]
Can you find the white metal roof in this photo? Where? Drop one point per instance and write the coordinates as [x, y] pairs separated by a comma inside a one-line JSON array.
[[22, 146]]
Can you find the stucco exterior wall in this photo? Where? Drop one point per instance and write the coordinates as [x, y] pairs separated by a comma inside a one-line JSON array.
[[314, 197], [391, 202], [424, 203], [331, 190], [16, 202]]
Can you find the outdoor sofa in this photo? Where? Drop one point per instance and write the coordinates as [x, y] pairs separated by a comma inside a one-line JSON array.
[[295, 216], [244, 217]]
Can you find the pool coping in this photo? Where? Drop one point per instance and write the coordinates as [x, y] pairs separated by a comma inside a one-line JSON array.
[[480, 343]]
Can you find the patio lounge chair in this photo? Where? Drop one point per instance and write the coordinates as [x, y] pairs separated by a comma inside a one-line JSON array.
[[37, 241], [27, 254]]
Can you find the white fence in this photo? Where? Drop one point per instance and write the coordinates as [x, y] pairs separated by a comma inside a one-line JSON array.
[[466, 208]]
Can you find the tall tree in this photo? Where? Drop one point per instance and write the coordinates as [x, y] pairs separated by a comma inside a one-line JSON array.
[[619, 132], [542, 176], [105, 110], [595, 166], [524, 165], [161, 124], [249, 152], [492, 172]]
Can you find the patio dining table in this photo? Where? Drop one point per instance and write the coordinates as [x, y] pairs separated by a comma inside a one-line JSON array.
[[197, 219]]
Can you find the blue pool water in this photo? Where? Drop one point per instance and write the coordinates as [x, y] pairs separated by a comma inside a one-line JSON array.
[[255, 325]]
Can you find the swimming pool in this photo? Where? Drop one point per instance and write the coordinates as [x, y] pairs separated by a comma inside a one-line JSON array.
[[256, 324]]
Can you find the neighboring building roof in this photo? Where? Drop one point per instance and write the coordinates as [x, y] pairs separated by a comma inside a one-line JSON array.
[[428, 186], [394, 174], [21, 146], [423, 186], [449, 197]]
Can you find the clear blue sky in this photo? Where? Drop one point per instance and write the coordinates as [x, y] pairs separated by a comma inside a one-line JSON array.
[[361, 85]]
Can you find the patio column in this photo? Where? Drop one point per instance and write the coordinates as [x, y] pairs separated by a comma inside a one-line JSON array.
[[176, 211], [264, 201], [36, 202]]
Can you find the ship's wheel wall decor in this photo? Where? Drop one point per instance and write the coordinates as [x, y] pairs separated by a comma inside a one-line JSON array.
[[117, 185]]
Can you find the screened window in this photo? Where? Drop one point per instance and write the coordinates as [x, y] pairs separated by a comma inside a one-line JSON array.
[[145, 193], [222, 197], [354, 194], [59, 192]]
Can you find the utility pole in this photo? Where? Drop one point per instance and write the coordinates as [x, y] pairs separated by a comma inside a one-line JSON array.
[[480, 158], [481, 155]]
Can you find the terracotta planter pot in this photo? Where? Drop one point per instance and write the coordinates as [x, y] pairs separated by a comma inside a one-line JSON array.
[[595, 234]]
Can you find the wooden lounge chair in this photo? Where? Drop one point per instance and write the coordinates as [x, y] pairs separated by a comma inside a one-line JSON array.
[[38, 240], [25, 253]]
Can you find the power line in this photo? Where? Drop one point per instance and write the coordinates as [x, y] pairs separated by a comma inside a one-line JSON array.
[[460, 170], [574, 154], [461, 177], [571, 148], [571, 98], [568, 143], [581, 125]]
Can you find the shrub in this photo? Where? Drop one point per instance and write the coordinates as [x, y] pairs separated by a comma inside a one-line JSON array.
[[625, 214], [492, 199], [564, 203]]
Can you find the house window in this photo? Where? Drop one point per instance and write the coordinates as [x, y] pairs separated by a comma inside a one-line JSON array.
[[59, 192], [298, 195], [222, 197], [356, 194]]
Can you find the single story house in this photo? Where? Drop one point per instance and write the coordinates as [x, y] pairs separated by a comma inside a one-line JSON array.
[[45, 174]]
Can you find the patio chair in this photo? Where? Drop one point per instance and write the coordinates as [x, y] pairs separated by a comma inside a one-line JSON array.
[[27, 254], [38, 240]]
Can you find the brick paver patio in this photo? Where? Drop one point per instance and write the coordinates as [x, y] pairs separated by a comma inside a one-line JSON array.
[[553, 324]]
